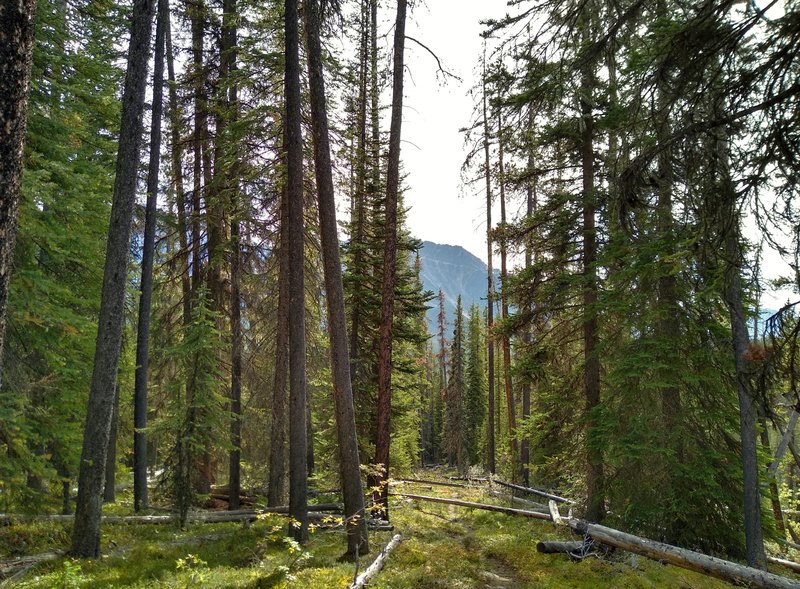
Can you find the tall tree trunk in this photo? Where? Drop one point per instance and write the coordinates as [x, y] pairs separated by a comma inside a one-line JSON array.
[[177, 175], [595, 509], [228, 55], [358, 213], [86, 532], [525, 455], [730, 230], [146, 283], [16, 51], [298, 475], [506, 344], [390, 261], [490, 436], [234, 469], [276, 484], [110, 484]]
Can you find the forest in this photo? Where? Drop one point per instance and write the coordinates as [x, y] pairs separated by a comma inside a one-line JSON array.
[[215, 364]]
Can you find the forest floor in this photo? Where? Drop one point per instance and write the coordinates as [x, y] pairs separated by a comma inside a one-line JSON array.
[[444, 547]]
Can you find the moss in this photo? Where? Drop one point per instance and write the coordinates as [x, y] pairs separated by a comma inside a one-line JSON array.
[[445, 547]]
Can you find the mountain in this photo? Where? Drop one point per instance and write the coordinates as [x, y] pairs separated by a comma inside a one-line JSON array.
[[455, 271]]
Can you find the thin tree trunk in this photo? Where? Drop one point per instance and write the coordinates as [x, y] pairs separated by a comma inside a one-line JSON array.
[[16, 50], [177, 174], [298, 475], [146, 283], [389, 263], [525, 455], [490, 446], [86, 532], [506, 344], [358, 214], [774, 496], [754, 535], [228, 51], [276, 484], [110, 484], [595, 509]]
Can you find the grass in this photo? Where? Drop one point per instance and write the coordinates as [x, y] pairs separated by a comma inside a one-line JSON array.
[[444, 547]]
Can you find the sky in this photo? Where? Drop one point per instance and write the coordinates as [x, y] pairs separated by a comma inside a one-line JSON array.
[[442, 208], [433, 150]]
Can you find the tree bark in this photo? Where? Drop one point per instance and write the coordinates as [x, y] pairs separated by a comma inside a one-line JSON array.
[[177, 176], [16, 51], [389, 263], [359, 206], [490, 445], [298, 474], [276, 484], [506, 344], [146, 283], [349, 462], [109, 486], [595, 509], [748, 414], [228, 56], [86, 532]]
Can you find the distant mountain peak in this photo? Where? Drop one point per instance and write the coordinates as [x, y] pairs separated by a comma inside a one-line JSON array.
[[454, 271]]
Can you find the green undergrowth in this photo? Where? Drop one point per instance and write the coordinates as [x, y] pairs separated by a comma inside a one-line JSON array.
[[444, 547]]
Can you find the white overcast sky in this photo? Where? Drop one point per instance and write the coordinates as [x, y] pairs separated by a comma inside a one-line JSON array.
[[433, 149]]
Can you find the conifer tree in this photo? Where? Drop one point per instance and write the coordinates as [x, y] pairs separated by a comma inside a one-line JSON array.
[[16, 52], [86, 533]]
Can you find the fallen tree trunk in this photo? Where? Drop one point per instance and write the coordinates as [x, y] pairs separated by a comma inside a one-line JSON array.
[[532, 505], [558, 547], [427, 482], [13, 569], [200, 517], [532, 491], [377, 565], [785, 563], [470, 504], [687, 559]]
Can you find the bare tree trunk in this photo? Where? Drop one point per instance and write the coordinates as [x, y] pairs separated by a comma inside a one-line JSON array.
[[16, 50], [506, 344], [525, 455], [146, 283], [748, 414], [86, 532], [595, 509], [276, 484], [389, 262], [109, 486], [177, 174], [228, 56], [358, 213], [298, 475], [490, 445]]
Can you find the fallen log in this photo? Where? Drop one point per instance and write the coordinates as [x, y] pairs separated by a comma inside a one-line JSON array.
[[470, 504], [13, 569], [688, 559], [377, 565], [785, 563], [197, 517], [427, 482], [532, 505], [532, 491], [558, 547]]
